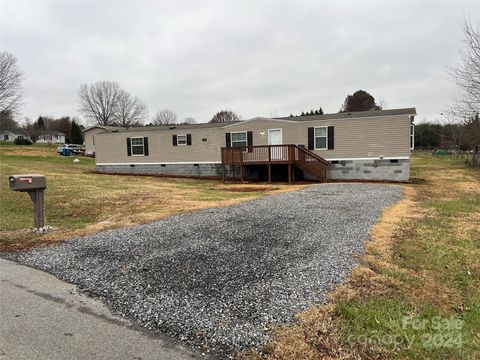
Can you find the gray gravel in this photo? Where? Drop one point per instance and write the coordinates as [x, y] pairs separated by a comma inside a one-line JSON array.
[[216, 278]]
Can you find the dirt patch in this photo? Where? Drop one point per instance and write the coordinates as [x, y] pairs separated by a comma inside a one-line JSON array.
[[32, 152], [251, 189]]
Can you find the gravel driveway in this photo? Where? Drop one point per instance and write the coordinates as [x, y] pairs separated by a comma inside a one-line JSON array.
[[215, 278]]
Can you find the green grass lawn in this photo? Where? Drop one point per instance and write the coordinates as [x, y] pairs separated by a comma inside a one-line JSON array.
[[79, 201]]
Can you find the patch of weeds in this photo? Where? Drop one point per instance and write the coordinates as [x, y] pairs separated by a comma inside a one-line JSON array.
[[406, 330], [455, 206]]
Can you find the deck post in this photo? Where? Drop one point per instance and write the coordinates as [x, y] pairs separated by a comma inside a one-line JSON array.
[[269, 172], [289, 173], [241, 173], [223, 172]]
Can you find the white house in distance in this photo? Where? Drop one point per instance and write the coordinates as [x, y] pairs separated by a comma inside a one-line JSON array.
[[48, 136], [12, 134]]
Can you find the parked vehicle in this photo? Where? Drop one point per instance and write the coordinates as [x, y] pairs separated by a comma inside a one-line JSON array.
[[74, 149]]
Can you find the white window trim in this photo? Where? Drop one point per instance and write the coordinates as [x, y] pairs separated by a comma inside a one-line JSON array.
[[281, 134], [143, 146], [315, 138], [412, 137], [239, 132], [178, 135]]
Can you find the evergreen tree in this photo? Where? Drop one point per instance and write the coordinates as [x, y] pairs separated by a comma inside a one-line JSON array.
[[303, 114], [320, 111], [75, 134], [41, 123]]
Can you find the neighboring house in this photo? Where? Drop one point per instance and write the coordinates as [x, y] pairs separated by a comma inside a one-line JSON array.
[[89, 136], [370, 145], [48, 136], [12, 134]]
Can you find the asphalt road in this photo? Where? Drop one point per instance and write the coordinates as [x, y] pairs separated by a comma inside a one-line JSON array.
[[42, 317]]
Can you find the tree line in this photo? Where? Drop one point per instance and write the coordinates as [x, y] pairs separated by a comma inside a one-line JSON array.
[[456, 136], [106, 103]]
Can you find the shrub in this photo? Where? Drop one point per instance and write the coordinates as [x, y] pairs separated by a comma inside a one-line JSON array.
[[21, 141]]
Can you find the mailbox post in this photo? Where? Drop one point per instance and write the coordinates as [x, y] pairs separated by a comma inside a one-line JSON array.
[[34, 184]]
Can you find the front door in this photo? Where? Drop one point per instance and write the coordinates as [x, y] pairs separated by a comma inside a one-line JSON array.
[[275, 138]]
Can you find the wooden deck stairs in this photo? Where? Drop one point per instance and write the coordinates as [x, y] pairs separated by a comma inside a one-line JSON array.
[[295, 156]]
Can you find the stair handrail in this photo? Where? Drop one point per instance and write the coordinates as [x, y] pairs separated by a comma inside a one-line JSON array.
[[312, 154]]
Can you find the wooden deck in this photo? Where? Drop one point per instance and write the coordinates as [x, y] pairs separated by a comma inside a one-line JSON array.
[[291, 155]]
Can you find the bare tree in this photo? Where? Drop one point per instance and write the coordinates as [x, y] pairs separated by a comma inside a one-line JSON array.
[[99, 101], [10, 83], [467, 73], [131, 111], [189, 120], [7, 121], [164, 117], [224, 116]]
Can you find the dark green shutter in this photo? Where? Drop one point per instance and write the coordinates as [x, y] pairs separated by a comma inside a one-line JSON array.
[[129, 147], [331, 138], [228, 142], [249, 140], [311, 138], [145, 146], [189, 139], [174, 140]]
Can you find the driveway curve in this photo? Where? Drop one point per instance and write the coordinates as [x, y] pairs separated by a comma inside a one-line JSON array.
[[216, 278]]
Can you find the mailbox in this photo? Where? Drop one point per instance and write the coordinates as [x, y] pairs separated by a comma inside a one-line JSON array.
[[27, 182], [34, 184]]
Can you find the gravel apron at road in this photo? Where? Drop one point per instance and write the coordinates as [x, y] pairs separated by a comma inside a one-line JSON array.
[[215, 278]]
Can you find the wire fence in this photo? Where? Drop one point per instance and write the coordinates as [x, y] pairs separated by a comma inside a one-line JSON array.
[[469, 158]]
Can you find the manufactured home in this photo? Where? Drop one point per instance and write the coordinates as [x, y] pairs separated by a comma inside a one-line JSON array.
[[367, 145], [89, 136]]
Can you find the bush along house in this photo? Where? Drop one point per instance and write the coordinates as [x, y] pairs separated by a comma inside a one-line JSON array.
[[367, 145]]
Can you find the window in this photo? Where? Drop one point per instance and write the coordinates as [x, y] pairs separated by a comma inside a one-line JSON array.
[[412, 136], [182, 139], [321, 138], [20, 137], [137, 146], [5, 137], [239, 139]]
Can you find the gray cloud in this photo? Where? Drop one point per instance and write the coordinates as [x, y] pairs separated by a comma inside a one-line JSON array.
[[258, 59]]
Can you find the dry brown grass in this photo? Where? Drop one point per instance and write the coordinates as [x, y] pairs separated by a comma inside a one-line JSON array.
[[81, 202]]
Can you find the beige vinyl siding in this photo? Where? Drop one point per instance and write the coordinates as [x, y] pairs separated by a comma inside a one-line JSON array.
[[88, 138], [354, 138], [112, 147], [387, 136]]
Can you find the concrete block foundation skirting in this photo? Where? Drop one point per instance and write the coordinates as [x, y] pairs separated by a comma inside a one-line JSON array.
[[394, 170]]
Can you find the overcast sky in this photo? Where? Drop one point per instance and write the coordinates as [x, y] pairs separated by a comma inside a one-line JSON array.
[[255, 58]]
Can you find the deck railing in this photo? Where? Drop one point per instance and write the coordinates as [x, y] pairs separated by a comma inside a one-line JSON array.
[[290, 154]]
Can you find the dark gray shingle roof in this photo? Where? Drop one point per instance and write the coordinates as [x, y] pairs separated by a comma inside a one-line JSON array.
[[353, 114], [174, 127], [357, 114]]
